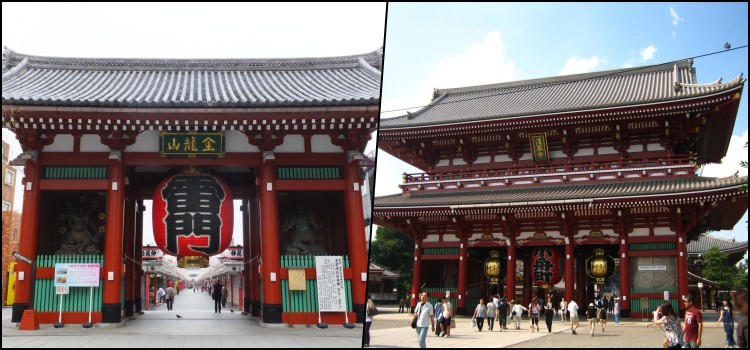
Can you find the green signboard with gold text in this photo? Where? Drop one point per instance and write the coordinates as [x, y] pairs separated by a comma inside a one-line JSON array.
[[191, 144], [539, 150]]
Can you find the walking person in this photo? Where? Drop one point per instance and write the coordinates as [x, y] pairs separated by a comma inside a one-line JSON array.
[[447, 318], [224, 295], [372, 310], [480, 312], [657, 316], [401, 305], [616, 311], [573, 316], [424, 316], [563, 309], [502, 314], [693, 327], [160, 295], [438, 315], [740, 301], [169, 296], [591, 317], [216, 296], [673, 335], [727, 318], [516, 312], [602, 316], [491, 314], [534, 314], [549, 313]]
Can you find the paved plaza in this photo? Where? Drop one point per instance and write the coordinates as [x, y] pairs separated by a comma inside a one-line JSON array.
[[391, 329], [200, 327]]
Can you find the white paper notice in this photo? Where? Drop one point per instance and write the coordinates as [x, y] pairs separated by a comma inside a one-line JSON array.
[[331, 285]]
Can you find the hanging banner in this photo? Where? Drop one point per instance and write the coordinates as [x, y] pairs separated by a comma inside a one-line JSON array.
[[76, 275], [539, 149], [331, 285], [191, 144]]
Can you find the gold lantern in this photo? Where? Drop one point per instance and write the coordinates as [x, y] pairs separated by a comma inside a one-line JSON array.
[[492, 267], [600, 266]]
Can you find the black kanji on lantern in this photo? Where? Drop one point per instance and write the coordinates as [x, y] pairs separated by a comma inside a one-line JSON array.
[[193, 207], [543, 265]]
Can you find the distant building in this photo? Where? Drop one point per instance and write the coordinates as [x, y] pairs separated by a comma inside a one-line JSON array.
[[11, 219]]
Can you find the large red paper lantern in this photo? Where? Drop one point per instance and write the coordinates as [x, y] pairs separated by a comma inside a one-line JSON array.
[[546, 263], [193, 215]]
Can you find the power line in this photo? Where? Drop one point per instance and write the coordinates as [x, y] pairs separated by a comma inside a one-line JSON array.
[[618, 72]]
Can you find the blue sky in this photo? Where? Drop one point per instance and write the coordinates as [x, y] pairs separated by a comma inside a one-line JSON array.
[[452, 45]]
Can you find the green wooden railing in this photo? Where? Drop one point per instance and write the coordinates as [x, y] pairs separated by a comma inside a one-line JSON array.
[[46, 300], [650, 290], [307, 300], [75, 172], [635, 304], [440, 251], [308, 173], [440, 289], [652, 246]]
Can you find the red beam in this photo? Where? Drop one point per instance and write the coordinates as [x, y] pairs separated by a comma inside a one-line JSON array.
[[62, 185], [310, 185]]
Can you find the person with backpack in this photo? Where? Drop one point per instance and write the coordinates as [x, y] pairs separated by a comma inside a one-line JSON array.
[[438, 315], [602, 316], [169, 297], [591, 317]]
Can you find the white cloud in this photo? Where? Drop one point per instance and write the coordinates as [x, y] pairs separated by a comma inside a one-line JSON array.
[[481, 63], [628, 64], [576, 65], [676, 19], [731, 162], [648, 53]]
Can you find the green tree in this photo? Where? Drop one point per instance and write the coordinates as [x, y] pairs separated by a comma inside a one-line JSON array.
[[394, 250], [718, 269], [741, 278]]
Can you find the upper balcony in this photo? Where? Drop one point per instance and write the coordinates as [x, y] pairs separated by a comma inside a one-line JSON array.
[[551, 174]]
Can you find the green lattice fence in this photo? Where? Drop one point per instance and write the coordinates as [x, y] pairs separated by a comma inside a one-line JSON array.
[[46, 300], [307, 300]]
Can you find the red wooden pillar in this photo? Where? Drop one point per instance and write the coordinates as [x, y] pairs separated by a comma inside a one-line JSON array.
[[526, 281], [569, 276], [113, 242], [130, 266], [253, 276], [357, 245], [624, 270], [272, 307], [682, 276], [416, 279], [28, 236], [148, 291], [510, 275], [138, 256], [463, 278]]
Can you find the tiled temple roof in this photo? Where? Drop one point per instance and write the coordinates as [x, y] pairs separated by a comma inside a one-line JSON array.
[[633, 189], [705, 242], [579, 92], [155, 83]]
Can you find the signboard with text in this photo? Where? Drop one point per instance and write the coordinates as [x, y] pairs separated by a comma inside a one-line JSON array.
[[539, 149], [191, 144], [77, 275], [331, 284]]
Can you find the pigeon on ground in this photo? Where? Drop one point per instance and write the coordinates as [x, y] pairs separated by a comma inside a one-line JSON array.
[[231, 310], [178, 316]]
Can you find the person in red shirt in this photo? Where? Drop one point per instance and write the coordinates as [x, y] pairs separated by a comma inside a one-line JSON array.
[[693, 326]]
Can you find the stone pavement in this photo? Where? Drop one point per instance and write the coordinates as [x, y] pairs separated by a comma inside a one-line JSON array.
[[199, 327], [391, 329]]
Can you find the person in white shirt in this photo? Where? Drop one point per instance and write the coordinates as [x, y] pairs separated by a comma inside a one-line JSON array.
[[516, 312], [573, 308], [563, 309], [424, 313]]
